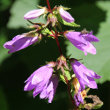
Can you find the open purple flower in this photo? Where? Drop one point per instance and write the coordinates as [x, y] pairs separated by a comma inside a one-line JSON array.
[[20, 42], [42, 82], [50, 89], [65, 15], [82, 41], [85, 76], [34, 13]]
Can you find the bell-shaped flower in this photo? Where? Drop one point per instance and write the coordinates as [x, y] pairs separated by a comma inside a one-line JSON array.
[[65, 15], [43, 82], [50, 89], [20, 42], [85, 76], [82, 41], [34, 13]]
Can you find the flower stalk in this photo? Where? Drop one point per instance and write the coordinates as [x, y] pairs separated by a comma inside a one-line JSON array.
[[48, 4], [74, 74]]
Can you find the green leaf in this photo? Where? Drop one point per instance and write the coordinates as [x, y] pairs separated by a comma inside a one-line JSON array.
[[4, 4], [72, 24], [19, 8], [3, 52], [3, 102], [100, 62]]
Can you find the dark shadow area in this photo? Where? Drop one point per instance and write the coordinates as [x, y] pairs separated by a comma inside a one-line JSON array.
[[103, 92]]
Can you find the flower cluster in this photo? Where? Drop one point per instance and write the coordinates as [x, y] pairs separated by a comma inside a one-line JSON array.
[[44, 81]]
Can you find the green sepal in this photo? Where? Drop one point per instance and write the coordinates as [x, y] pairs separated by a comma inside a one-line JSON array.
[[46, 31], [67, 74], [72, 24], [62, 78]]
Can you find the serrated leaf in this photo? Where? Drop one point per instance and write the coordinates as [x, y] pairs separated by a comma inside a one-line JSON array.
[[19, 8], [100, 62]]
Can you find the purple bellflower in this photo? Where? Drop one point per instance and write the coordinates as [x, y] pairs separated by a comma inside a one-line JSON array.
[[65, 15], [42, 82], [20, 42], [34, 13], [50, 89], [82, 41], [85, 76]]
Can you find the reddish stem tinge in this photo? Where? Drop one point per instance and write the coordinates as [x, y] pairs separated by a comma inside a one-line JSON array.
[[48, 4], [69, 92], [58, 44], [55, 35]]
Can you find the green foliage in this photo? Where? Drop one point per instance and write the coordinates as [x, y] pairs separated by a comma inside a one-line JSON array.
[[72, 24], [19, 8], [3, 52], [4, 4], [3, 101], [100, 62], [67, 74]]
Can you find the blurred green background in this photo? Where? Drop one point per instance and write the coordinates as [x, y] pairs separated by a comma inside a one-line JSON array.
[[15, 68]]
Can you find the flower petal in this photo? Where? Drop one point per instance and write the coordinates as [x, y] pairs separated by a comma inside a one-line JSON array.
[[19, 42], [65, 15], [34, 14]]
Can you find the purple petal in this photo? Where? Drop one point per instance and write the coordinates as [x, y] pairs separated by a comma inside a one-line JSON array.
[[65, 15], [43, 74], [50, 89], [79, 42], [89, 48], [90, 37], [38, 89], [34, 14], [91, 73], [78, 99], [28, 86], [84, 75], [92, 84], [19, 42]]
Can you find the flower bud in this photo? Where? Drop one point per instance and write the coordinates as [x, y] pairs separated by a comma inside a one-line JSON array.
[[65, 15], [35, 13]]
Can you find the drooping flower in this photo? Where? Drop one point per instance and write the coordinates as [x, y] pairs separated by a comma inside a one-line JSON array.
[[50, 89], [85, 76], [34, 13], [65, 15], [82, 41], [42, 82], [20, 42]]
